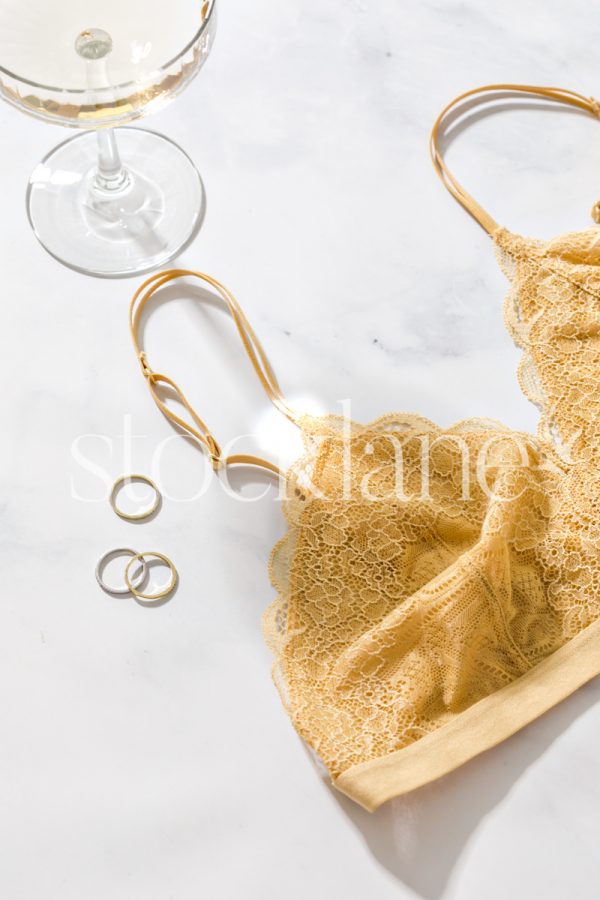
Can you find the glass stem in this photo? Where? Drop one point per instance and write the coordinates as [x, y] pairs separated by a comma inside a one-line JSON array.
[[111, 175]]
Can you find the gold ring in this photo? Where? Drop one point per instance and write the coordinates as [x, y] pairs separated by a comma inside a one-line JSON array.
[[130, 479], [142, 557]]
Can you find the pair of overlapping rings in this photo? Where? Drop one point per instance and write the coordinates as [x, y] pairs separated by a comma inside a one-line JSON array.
[[134, 580]]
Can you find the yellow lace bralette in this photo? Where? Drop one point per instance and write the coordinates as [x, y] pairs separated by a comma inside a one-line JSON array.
[[438, 589]]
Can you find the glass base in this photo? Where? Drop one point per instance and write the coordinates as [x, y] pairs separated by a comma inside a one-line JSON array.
[[136, 226]]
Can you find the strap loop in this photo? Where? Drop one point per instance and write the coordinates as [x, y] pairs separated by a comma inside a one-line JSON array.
[[146, 370], [558, 95], [196, 426]]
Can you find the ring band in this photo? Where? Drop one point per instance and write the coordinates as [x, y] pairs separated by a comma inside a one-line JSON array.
[[130, 479], [136, 582], [142, 557]]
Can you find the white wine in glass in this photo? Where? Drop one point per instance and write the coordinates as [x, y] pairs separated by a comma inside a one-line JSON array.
[[108, 202]]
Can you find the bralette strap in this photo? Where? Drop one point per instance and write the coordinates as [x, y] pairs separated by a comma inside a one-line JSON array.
[[558, 95], [195, 425]]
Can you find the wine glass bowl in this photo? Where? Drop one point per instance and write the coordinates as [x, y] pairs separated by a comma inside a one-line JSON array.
[[40, 51], [94, 65]]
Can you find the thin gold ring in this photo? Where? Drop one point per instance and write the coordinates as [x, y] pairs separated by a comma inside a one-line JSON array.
[[142, 557], [130, 479]]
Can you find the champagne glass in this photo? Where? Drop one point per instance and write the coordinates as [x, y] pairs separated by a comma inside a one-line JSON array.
[[109, 201]]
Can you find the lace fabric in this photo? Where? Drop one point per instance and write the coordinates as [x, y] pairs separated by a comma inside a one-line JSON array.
[[553, 315], [394, 615]]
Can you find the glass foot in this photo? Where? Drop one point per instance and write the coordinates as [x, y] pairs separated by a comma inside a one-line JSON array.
[[125, 226]]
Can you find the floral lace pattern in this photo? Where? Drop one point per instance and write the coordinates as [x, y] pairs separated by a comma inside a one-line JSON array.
[[425, 569], [553, 313]]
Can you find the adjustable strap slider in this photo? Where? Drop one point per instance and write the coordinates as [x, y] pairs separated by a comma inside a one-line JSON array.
[[146, 370], [216, 454]]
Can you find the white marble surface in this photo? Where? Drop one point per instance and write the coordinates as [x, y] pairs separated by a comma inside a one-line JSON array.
[[144, 753]]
